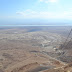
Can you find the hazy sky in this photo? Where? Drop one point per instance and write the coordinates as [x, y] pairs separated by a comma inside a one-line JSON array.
[[35, 11]]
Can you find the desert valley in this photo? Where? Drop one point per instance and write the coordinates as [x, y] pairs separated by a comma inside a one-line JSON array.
[[35, 49]]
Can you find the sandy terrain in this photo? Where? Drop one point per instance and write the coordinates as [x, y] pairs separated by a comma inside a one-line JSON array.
[[22, 51]]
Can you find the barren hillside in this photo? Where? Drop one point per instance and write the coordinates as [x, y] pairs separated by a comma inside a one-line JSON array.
[[23, 51]]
